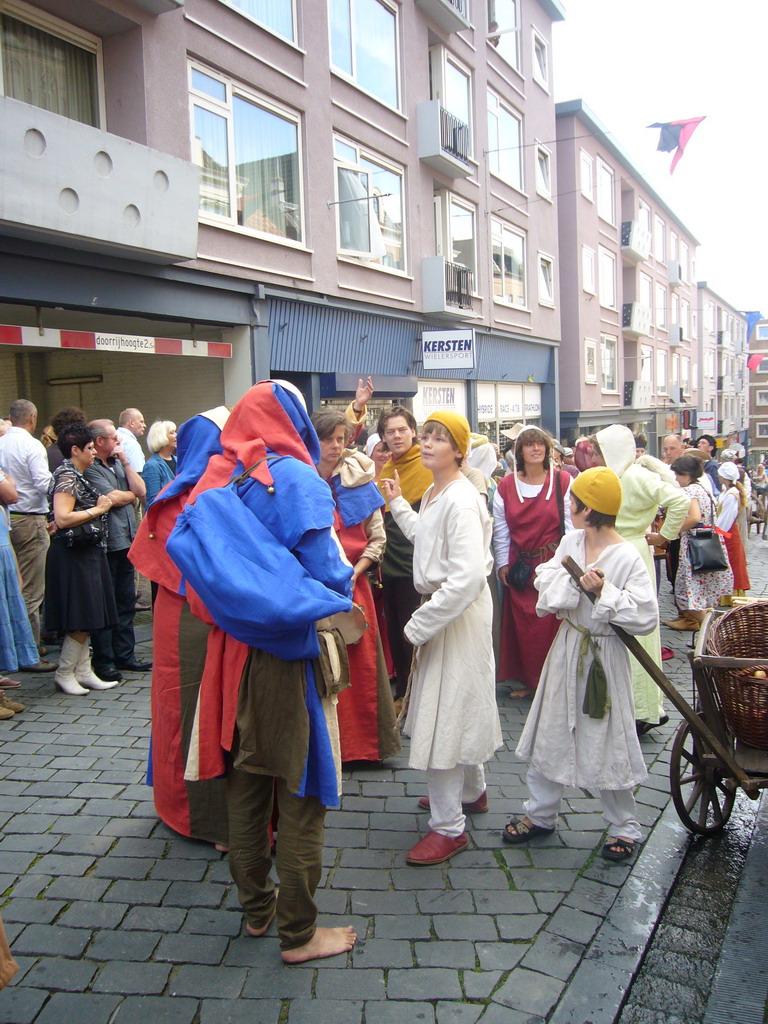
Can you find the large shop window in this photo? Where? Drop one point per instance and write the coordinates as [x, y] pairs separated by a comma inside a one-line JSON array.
[[364, 46], [369, 206], [505, 141], [49, 64], [277, 15], [249, 156], [509, 275]]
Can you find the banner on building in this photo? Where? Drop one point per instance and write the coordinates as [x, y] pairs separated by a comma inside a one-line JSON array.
[[101, 342], [448, 350], [706, 422]]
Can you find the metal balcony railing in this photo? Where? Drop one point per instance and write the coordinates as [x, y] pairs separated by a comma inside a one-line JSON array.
[[454, 136], [459, 285]]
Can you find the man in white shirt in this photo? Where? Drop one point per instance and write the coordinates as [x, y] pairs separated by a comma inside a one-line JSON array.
[[131, 426], [24, 458]]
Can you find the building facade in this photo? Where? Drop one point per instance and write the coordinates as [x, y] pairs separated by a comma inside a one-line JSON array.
[[628, 298], [200, 195], [723, 370], [758, 395]]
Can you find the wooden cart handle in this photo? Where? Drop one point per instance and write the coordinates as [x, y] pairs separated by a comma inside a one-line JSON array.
[[670, 692]]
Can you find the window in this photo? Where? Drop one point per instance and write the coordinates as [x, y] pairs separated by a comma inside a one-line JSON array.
[[590, 361], [645, 291], [661, 306], [644, 215], [508, 264], [675, 311], [676, 369], [503, 31], [709, 364], [685, 317], [248, 152], [364, 46], [763, 367], [608, 345], [588, 269], [762, 331], [543, 172], [709, 316], [762, 429], [661, 372], [505, 140], [540, 60], [761, 398], [455, 229], [685, 375], [646, 363], [659, 239], [50, 64], [546, 280], [277, 15], [607, 278], [673, 245], [606, 199], [451, 83], [586, 175], [370, 206]]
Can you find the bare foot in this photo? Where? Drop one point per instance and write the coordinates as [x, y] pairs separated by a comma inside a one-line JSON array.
[[256, 933], [325, 942], [521, 694], [221, 847]]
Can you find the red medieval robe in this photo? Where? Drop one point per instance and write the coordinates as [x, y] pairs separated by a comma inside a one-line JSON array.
[[534, 524]]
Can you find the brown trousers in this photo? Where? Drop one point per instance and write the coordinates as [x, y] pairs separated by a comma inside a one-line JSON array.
[[299, 853], [30, 541]]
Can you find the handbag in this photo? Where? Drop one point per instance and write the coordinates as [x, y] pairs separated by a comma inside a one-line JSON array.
[[519, 574], [705, 549], [87, 535]]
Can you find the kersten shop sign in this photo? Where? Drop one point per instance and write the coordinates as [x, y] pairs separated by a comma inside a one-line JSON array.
[[448, 350]]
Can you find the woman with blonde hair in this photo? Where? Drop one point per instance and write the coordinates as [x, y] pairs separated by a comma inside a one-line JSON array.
[[160, 467]]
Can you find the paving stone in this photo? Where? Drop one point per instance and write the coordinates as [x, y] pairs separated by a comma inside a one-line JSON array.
[[547, 902], [85, 914], [213, 922], [208, 982], [128, 827], [500, 956], [440, 983], [96, 846], [574, 924], [278, 983], [154, 1010], [192, 949], [147, 893], [381, 952], [406, 877], [82, 824], [405, 926], [180, 870], [29, 844], [352, 878], [133, 847], [457, 1013], [59, 974], [554, 955], [132, 979], [32, 911], [529, 991], [362, 983], [367, 858], [479, 984], [432, 901], [383, 902], [457, 954], [398, 1012], [190, 894], [490, 878], [51, 940], [497, 1014], [544, 880], [591, 897], [85, 1008], [517, 927], [150, 919], [22, 1005], [16, 863], [465, 926], [120, 945], [304, 1011], [124, 867], [77, 888], [505, 903], [57, 865]]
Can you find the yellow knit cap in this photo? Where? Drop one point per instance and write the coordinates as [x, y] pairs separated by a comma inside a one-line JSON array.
[[599, 489], [456, 425]]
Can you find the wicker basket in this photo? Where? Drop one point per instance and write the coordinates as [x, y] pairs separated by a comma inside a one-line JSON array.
[[742, 633]]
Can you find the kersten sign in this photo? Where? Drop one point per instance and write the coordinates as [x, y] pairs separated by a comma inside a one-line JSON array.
[[448, 350]]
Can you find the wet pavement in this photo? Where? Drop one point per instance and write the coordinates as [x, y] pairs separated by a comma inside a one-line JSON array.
[[114, 919]]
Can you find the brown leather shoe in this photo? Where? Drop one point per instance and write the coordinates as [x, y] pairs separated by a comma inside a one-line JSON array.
[[11, 705], [479, 806], [41, 666], [434, 848], [6, 713]]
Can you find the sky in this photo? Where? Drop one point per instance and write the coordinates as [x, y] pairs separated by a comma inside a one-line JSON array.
[[663, 60]]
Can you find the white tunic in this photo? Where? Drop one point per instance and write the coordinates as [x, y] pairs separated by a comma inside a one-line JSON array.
[[452, 715], [562, 743]]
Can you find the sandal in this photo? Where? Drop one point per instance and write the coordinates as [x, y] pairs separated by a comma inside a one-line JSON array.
[[516, 831], [618, 849]]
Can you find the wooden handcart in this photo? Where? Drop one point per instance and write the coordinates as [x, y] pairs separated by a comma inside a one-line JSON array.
[[722, 743]]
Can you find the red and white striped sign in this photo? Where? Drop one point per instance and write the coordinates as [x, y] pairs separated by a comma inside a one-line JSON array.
[[97, 342]]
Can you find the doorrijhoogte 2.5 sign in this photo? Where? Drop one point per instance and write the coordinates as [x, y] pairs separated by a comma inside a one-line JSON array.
[[448, 350]]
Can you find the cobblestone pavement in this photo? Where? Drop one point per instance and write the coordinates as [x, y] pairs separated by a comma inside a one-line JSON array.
[[114, 918]]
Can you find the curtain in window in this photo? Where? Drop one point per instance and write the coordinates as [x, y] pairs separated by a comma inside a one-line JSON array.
[[276, 14], [48, 72], [376, 50], [267, 171], [358, 230], [211, 155]]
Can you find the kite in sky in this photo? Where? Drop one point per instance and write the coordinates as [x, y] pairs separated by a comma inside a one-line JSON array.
[[676, 135]]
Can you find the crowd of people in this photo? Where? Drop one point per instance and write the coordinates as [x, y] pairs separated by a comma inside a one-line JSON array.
[[316, 587]]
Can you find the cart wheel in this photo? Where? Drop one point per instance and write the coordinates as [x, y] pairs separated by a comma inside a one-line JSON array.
[[702, 792]]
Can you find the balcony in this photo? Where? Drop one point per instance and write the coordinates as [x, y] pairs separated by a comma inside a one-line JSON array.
[[675, 336], [674, 273], [447, 288], [637, 394], [724, 383], [724, 339], [443, 140], [158, 6], [635, 319], [450, 15], [78, 186], [635, 241]]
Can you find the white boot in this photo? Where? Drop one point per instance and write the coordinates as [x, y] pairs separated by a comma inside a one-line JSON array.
[[65, 679], [85, 675]]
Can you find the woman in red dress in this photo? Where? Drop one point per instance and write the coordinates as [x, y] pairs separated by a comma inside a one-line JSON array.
[[367, 721], [530, 515]]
